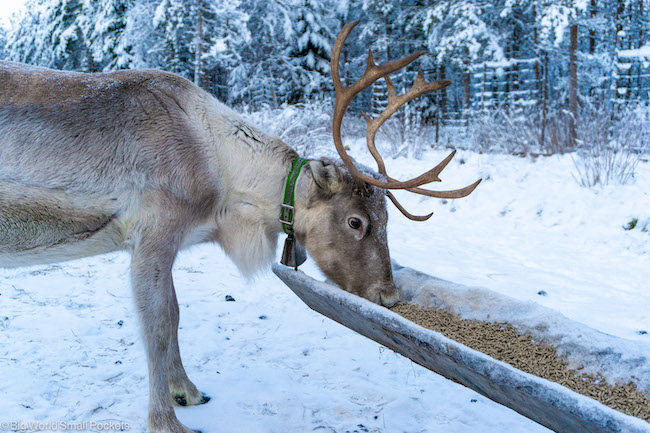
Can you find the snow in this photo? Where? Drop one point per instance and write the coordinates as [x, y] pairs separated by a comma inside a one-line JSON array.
[[70, 348], [456, 27], [293, 371], [554, 20], [641, 53], [159, 14]]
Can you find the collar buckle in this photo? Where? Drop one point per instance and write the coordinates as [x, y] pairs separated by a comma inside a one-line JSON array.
[[286, 216]]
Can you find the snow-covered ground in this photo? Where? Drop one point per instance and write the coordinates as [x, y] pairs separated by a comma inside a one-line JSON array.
[[70, 347], [530, 227]]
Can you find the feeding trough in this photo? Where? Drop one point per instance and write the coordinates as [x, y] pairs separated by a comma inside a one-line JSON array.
[[547, 403]]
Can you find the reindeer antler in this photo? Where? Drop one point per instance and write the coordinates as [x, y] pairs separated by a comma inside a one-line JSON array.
[[345, 95]]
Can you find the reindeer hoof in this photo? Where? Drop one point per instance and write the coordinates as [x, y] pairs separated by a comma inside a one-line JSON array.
[[184, 393], [183, 399], [204, 399]]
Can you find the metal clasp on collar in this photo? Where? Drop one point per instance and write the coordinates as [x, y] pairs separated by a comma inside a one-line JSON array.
[[288, 216]]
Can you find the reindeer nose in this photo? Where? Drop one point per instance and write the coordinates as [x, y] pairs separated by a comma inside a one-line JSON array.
[[389, 298]]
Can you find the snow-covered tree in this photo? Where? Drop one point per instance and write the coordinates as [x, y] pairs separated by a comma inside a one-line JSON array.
[[459, 35], [105, 24], [65, 38], [141, 35], [26, 37], [379, 34], [48, 34], [312, 46], [3, 42], [224, 32], [174, 22], [270, 52], [346, 11], [266, 76]]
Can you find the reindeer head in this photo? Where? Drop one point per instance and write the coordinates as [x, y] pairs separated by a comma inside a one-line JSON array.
[[343, 223]]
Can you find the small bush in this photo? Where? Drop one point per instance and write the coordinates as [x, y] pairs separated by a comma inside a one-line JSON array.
[[601, 165], [609, 149], [631, 224], [520, 132], [635, 224]]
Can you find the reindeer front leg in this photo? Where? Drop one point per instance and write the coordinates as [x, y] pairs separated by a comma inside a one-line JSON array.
[[183, 391], [151, 275]]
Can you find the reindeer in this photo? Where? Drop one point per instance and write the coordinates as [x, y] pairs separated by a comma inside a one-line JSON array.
[[145, 161]]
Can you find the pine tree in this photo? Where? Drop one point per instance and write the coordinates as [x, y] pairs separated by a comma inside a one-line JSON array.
[[312, 44], [266, 76], [200, 12], [266, 53], [347, 11], [224, 32], [459, 34], [174, 23], [410, 23], [378, 34], [67, 49], [3, 42], [106, 31], [142, 36], [48, 34], [26, 37]]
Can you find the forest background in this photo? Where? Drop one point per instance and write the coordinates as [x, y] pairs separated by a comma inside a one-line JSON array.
[[530, 77]]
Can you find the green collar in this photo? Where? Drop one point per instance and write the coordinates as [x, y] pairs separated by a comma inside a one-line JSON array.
[[286, 211]]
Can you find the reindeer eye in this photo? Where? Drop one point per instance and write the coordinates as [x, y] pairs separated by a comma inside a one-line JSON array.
[[355, 223]]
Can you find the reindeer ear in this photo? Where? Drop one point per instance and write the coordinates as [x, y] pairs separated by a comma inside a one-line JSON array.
[[327, 175]]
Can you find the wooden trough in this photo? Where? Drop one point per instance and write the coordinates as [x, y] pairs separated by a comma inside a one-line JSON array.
[[547, 403]]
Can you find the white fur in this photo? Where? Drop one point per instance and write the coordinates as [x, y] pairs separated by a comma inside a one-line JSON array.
[[252, 168]]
